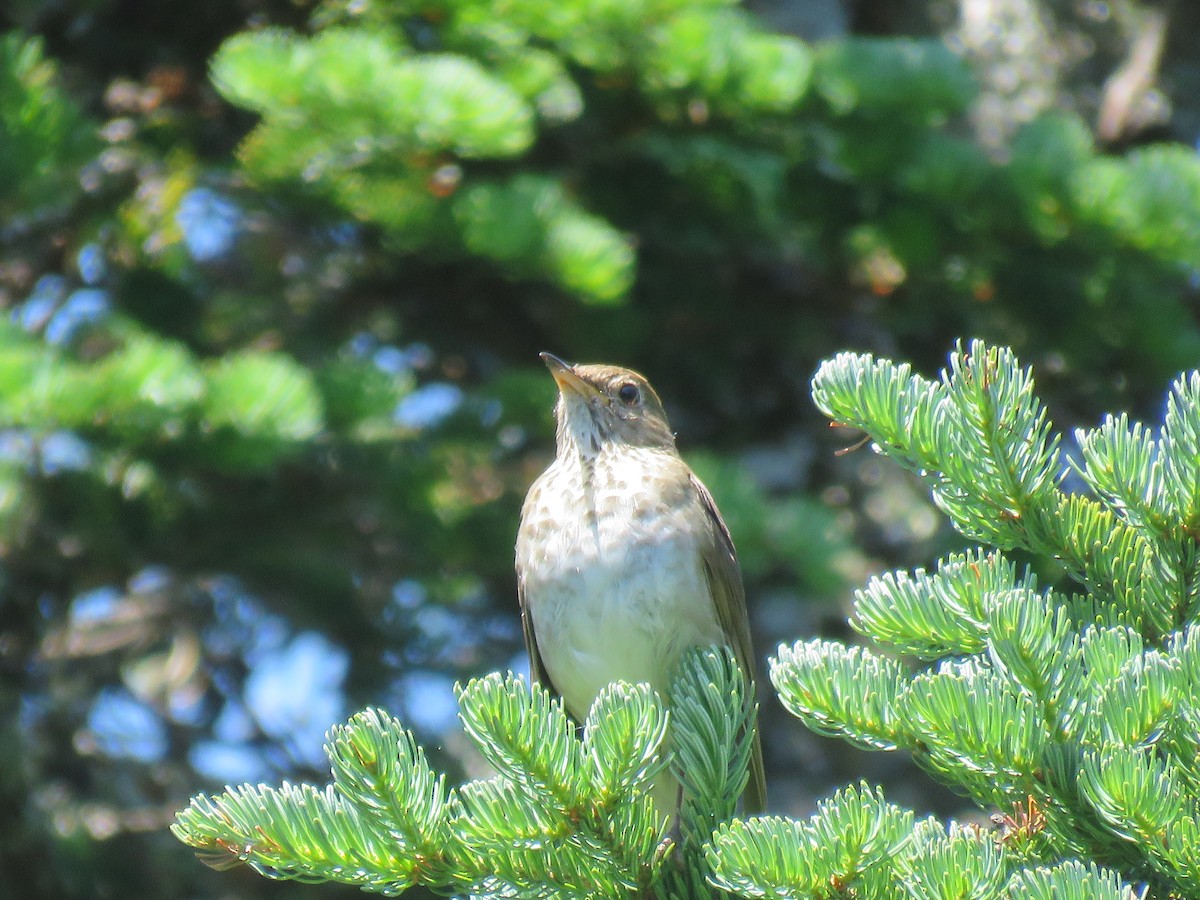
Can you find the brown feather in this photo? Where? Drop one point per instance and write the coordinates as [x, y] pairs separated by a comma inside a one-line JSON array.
[[728, 595], [537, 669]]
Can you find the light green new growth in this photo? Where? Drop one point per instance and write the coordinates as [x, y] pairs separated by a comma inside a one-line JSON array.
[[565, 814], [570, 816], [1075, 707]]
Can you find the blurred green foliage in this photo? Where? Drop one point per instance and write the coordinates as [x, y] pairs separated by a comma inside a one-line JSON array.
[[43, 138], [275, 276]]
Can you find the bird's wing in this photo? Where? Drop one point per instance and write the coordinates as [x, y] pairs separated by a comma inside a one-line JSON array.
[[725, 583], [537, 669]]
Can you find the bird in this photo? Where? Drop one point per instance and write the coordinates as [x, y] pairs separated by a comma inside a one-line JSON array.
[[623, 560]]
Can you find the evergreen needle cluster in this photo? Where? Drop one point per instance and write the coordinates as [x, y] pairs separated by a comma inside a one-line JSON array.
[[564, 816]]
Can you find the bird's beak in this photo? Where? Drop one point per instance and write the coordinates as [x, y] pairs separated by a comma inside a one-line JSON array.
[[566, 379]]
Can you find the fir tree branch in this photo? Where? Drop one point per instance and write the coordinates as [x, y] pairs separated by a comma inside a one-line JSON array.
[[295, 833], [850, 833], [713, 729], [563, 816], [982, 441], [843, 692], [1071, 880], [943, 614]]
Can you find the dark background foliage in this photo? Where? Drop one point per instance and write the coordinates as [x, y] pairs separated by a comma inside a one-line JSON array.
[[269, 392]]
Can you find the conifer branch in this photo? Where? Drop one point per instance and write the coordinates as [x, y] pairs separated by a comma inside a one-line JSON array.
[[564, 815], [1084, 704], [983, 442]]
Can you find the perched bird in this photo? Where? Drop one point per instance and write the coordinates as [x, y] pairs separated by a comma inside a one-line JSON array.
[[623, 561]]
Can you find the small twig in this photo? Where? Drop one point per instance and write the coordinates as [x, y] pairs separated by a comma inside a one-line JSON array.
[[1129, 84]]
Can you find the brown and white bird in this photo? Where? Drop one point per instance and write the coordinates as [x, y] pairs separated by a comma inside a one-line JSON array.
[[623, 561]]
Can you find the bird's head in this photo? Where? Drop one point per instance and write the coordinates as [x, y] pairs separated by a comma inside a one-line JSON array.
[[602, 406]]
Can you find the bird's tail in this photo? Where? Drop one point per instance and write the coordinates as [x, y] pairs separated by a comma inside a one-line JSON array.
[[754, 800]]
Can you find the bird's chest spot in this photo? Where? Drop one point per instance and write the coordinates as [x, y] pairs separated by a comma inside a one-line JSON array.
[[611, 524], [614, 580]]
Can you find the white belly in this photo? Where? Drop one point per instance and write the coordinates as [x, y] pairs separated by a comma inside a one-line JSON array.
[[613, 596]]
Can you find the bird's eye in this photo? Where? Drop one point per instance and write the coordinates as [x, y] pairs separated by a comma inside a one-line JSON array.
[[628, 393]]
